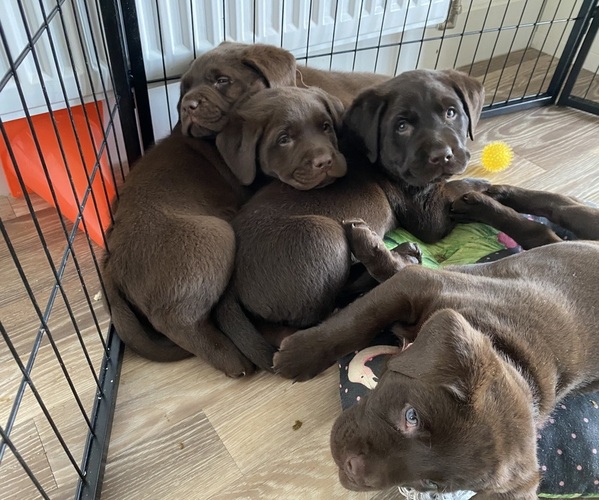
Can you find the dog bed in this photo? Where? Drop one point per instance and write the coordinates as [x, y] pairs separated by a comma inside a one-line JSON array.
[[568, 445]]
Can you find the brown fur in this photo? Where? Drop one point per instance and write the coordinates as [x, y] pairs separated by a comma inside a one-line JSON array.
[[500, 206], [343, 85], [220, 77], [307, 158], [171, 251], [495, 347], [293, 259], [171, 248], [286, 133]]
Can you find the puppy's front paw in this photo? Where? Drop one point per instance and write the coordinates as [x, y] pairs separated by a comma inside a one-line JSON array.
[[363, 241], [237, 366], [476, 184], [466, 207], [410, 252], [299, 359]]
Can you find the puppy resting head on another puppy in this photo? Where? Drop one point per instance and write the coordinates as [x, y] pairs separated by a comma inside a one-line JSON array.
[[448, 414], [220, 77], [287, 133]]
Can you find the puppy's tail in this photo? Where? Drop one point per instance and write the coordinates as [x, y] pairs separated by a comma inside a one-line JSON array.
[[233, 321], [135, 330]]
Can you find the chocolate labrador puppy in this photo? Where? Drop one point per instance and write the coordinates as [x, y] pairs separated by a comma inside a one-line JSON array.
[[171, 247], [293, 259], [220, 77], [495, 347], [286, 133]]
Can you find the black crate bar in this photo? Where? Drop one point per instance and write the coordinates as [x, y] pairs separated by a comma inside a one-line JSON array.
[[138, 71], [96, 446], [120, 42], [98, 423], [568, 97], [117, 52]]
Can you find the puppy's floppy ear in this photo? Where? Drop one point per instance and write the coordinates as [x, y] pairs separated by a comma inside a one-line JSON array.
[[333, 104], [237, 144], [447, 352], [276, 65], [363, 120], [472, 95]]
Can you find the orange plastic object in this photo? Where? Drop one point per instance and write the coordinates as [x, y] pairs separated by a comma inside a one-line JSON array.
[[34, 178]]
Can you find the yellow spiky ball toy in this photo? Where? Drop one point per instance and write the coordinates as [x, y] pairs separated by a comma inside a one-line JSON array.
[[496, 156]]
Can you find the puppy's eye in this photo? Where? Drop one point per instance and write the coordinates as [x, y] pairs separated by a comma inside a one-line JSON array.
[[283, 139], [223, 80], [327, 127], [451, 112], [402, 126], [411, 417]]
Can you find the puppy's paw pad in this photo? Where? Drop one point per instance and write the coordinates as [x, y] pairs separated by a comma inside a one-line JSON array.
[[358, 227], [298, 360], [363, 241], [288, 365], [411, 251]]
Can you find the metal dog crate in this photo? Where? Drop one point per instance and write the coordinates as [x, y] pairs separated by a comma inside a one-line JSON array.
[[85, 87]]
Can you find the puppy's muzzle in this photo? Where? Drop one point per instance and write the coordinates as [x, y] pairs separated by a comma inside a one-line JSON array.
[[322, 162], [352, 473], [200, 113], [441, 156]]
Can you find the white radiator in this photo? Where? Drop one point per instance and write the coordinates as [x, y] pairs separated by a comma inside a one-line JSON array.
[[321, 33], [308, 28]]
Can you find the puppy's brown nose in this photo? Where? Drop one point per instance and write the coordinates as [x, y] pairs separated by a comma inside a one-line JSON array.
[[441, 156], [322, 162], [190, 104], [355, 466]]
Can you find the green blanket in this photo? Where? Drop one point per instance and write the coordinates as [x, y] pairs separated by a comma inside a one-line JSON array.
[[466, 244]]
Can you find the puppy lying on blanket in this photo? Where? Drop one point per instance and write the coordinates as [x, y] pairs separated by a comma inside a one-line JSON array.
[[292, 258], [495, 347]]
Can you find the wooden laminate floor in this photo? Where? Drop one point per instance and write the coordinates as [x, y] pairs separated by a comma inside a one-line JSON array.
[[183, 430]]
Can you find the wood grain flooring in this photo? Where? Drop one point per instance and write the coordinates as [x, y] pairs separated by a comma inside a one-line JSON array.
[[183, 430], [247, 426]]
